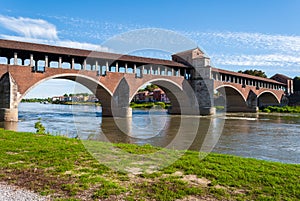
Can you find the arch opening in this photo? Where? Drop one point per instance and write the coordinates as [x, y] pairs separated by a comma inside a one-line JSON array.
[[151, 95], [94, 91], [267, 99], [230, 99], [177, 98]]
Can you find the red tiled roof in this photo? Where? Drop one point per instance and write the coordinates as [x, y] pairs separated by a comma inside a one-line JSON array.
[[25, 46], [282, 76]]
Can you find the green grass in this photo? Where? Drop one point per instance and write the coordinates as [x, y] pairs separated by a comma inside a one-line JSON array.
[[284, 109], [65, 170], [148, 105]]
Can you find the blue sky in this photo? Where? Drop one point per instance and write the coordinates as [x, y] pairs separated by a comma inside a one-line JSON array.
[[237, 35]]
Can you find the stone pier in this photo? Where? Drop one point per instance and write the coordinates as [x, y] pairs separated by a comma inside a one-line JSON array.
[[8, 98]]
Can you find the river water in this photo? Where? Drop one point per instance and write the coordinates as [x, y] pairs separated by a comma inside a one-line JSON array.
[[267, 137]]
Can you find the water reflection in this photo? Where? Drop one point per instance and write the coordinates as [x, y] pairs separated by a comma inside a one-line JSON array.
[[178, 132]]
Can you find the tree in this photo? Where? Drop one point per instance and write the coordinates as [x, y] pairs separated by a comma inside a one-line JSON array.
[[296, 81], [151, 87], [258, 73]]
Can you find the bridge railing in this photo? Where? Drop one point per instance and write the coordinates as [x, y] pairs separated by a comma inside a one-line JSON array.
[[41, 62], [245, 81], [38, 69]]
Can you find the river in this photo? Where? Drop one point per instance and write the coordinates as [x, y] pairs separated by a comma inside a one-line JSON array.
[[261, 136]]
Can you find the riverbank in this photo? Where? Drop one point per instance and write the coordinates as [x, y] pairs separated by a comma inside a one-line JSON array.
[[283, 109], [64, 169]]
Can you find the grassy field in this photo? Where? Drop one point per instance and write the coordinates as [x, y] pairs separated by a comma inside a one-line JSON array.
[[65, 170], [148, 105]]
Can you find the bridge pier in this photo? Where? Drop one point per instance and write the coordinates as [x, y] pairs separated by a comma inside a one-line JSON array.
[[8, 98]]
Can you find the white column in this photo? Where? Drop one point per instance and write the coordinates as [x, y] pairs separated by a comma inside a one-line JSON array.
[[59, 62], [84, 65], [72, 63], [134, 68], [107, 67], [96, 65], [126, 68], [143, 68], [31, 60], [172, 71], [15, 58], [178, 72], [46, 62], [158, 70], [117, 67], [151, 70]]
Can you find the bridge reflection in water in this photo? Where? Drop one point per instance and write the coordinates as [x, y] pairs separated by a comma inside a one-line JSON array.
[[175, 132], [178, 133]]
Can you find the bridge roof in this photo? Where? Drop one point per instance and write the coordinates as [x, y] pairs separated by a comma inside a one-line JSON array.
[[246, 76], [57, 50]]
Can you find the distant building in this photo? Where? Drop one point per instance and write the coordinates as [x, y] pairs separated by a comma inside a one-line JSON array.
[[286, 80], [141, 96], [76, 98], [160, 95], [58, 98], [157, 95], [149, 97]]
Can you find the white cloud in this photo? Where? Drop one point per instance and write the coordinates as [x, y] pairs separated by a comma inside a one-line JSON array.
[[29, 28], [62, 43], [248, 41], [236, 50], [288, 44], [270, 60]]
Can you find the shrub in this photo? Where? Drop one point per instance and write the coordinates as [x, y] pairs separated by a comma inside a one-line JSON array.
[[40, 128], [266, 110], [284, 109], [161, 104]]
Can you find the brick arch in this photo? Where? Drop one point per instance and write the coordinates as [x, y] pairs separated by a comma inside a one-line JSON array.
[[235, 101], [230, 86], [268, 98], [161, 82], [93, 85], [178, 90]]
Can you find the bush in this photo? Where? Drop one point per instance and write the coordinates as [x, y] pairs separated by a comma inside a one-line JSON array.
[[161, 104], [266, 110], [40, 128], [278, 109]]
